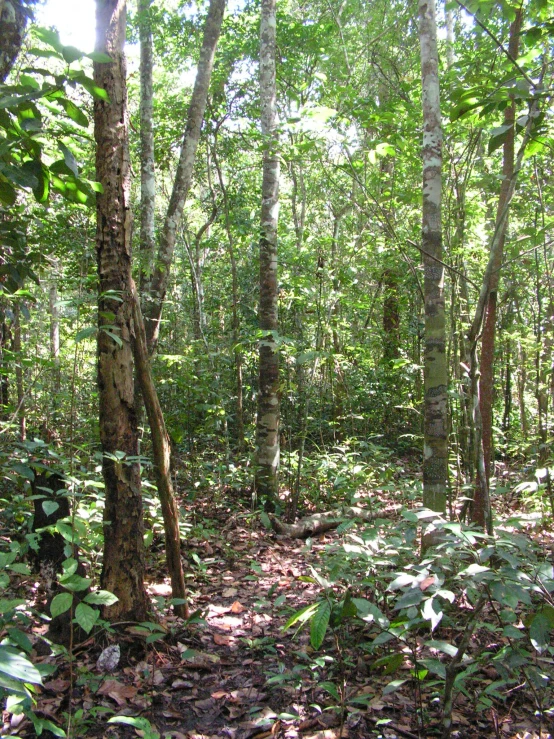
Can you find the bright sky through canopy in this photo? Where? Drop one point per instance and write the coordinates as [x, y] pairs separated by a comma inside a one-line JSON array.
[[75, 20]]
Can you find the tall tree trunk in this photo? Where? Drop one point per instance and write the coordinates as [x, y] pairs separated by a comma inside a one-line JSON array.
[[13, 18], [123, 569], [147, 166], [435, 461], [486, 381], [237, 351], [266, 482], [158, 284]]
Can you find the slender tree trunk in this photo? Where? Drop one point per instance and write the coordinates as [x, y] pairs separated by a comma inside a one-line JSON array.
[[55, 334], [19, 380], [486, 381], [161, 448], [158, 284], [481, 510], [147, 166], [123, 569], [237, 351], [266, 482], [435, 462]]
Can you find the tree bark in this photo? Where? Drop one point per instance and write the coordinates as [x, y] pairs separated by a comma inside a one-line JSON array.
[[266, 483], [19, 378], [147, 165], [13, 19], [123, 569], [435, 462], [157, 287], [161, 449], [486, 381]]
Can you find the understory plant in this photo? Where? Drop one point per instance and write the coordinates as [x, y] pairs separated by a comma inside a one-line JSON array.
[[435, 620]]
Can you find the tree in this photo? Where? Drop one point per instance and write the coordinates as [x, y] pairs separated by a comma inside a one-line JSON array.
[[13, 19], [123, 568], [156, 287], [435, 461], [267, 425]]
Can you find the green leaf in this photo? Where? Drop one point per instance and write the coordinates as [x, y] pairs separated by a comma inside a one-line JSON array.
[[71, 54], [319, 623], [86, 617], [73, 112], [539, 632], [101, 598], [84, 333], [392, 686], [331, 688], [16, 666], [69, 159], [60, 604], [140, 723], [301, 616], [266, 521], [75, 583], [7, 193], [498, 137], [50, 506], [99, 56]]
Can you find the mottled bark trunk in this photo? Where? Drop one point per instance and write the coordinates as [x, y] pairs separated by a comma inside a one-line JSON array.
[[161, 449], [435, 462], [153, 301], [267, 427], [486, 381], [13, 18], [147, 166], [123, 569]]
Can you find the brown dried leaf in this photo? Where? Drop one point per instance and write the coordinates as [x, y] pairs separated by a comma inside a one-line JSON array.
[[237, 607]]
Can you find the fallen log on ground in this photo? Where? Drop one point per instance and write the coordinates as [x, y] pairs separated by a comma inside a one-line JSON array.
[[319, 523]]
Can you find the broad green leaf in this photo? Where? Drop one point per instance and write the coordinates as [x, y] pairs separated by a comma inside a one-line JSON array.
[[75, 583], [21, 639], [432, 612], [99, 56], [73, 112], [7, 193], [60, 604], [85, 333], [319, 623], [15, 665], [393, 686], [331, 688], [22, 469], [143, 724], [86, 617], [69, 159], [301, 616], [101, 598], [266, 521], [71, 54], [443, 646], [369, 612], [50, 506], [539, 632]]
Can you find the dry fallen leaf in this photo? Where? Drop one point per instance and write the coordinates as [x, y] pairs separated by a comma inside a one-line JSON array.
[[237, 607], [229, 593], [117, 691], [222, 641]]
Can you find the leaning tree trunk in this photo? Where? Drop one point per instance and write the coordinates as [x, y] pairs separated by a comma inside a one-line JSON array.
[[266, 482], [435, 462], [488, 340], [123, 570], [156, 289]]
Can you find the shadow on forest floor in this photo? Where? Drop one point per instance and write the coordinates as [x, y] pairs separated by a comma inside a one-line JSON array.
[[237, 674]]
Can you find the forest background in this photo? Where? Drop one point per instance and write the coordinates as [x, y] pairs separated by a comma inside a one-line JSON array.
[[311, 390]]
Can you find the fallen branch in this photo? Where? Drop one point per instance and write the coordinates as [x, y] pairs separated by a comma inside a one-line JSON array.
[[319, 523]]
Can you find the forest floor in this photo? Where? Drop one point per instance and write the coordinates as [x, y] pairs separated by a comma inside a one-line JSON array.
[[237, 674]]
